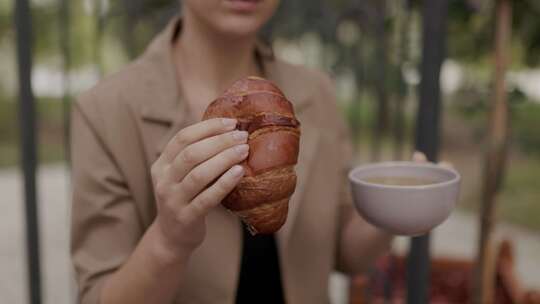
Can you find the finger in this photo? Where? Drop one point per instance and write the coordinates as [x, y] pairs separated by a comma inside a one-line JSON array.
[[205, 173], [446, 164], [211, 197], [419, 157], [201, 151], [194, 133]]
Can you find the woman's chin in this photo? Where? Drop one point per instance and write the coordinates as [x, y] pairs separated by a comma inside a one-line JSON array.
[[240, 26]]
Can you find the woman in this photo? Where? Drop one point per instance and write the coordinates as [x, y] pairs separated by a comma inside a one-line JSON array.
[[147, 223]]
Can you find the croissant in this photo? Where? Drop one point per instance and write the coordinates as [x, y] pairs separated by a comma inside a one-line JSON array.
[[261, 199]]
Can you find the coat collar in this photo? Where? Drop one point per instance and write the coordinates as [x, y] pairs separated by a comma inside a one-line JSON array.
[[169, 107], [165, 107]]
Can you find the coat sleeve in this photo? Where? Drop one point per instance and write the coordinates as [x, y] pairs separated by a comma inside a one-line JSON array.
[[344, 149], [104, 225], [346, 207]]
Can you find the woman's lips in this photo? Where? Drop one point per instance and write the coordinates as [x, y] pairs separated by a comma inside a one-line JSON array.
[[244, 6]]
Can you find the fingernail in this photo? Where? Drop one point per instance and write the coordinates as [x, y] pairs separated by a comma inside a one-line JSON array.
[[228, 122], [237, 171], [240, 136], [242, 150], [419, 156]]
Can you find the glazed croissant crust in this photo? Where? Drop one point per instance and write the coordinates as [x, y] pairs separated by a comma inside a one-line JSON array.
[[261, 198]]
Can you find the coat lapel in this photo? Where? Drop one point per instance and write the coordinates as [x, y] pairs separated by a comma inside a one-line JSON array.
[[162, 113], [159, 106]]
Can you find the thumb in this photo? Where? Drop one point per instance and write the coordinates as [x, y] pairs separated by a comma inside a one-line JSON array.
[[419, 157]]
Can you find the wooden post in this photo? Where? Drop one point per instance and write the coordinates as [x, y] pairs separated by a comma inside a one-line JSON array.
[[27, 125], [495, 155]]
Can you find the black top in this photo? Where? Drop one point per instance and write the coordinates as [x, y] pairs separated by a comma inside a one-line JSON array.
[[260, 277]]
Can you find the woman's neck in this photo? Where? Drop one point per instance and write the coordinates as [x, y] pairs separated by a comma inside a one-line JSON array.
[[208, 63]]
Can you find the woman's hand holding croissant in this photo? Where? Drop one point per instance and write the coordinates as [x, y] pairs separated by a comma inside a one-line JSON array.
[[197, 169]]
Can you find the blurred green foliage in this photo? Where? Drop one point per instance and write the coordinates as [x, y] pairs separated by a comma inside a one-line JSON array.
[[96, 26], [520, 196], [526, 127], [470, 32], [524, 117], [49, 125]]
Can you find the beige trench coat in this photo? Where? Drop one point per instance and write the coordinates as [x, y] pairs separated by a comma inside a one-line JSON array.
[[119, 128]]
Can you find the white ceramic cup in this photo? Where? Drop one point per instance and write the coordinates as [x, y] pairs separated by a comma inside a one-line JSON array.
[[405, 210]]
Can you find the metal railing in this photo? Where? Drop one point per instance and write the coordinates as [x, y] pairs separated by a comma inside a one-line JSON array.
[[27, 123]]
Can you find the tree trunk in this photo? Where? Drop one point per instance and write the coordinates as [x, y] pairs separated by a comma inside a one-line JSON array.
[[495, 156], [27, 125], [434, 14], [381, 57]]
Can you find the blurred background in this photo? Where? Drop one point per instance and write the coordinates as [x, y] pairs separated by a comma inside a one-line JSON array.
[[374, 50]]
